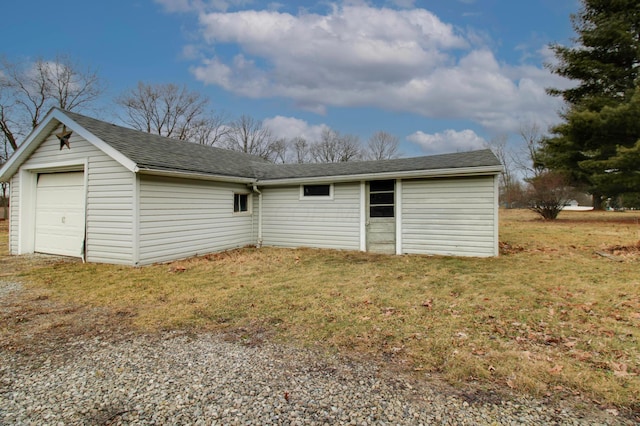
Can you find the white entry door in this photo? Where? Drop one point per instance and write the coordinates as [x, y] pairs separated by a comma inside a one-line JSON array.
[[60, 213], [381, 222]]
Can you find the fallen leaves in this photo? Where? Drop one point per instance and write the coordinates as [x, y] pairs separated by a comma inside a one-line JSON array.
[[557, 369], [620, 369], [624, 252], [509, 248], [581, 355]]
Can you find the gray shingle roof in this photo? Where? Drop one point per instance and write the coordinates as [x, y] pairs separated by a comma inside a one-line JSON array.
[[481, 158], [153, 152]]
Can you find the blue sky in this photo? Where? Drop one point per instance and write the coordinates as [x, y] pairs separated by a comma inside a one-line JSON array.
[[442, 75]]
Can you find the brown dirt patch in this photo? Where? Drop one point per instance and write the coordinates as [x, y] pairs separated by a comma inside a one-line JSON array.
[[34, 324], [508, 248], [625, 252]]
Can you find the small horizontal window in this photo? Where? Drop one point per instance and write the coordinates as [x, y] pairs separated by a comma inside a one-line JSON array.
[[317, 190], [240, 203], [321, 191]]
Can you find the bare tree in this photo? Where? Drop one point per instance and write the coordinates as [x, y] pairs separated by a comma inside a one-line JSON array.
[[382, 146], [350, 148], [301, 150], [249, 136], [29, 89], [335, 148], [280, 150], [530, 161], [210, 130], [7, 125], [510, 188], [167, 110], [71, 88]]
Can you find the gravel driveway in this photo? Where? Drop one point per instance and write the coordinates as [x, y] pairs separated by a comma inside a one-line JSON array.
[[75, 365]]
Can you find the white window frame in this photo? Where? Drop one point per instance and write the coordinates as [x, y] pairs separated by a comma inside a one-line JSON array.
[[249, 204], [316, 197]]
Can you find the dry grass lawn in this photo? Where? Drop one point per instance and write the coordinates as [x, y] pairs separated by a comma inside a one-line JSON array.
[[549, 317]]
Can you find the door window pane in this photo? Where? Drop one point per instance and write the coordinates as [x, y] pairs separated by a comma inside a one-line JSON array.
[[381, 198], [381, 185], [381, 211]]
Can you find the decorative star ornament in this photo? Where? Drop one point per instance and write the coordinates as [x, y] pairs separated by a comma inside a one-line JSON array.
[[64, 136]]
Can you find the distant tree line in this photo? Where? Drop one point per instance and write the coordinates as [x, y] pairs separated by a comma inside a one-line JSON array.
[[173, 111], [29, 89]]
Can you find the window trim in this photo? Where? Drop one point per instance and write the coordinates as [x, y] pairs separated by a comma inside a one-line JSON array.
[[316, 197], [249, 203]]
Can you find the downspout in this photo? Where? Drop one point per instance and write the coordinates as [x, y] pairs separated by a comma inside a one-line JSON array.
[[257, 191]]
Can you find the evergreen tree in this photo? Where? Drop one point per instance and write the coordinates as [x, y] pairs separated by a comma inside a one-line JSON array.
[[598, 122]]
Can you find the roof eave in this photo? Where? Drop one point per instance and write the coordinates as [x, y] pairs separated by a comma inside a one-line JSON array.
[[409, 174], [194, 175]]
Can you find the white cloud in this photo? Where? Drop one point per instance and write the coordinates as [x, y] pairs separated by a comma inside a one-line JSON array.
[[291, 127], [447, 141], [358, 55]]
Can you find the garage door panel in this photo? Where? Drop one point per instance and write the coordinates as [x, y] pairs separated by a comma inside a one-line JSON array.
[[60, 213]]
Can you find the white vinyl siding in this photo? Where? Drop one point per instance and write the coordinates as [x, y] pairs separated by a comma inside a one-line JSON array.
[[181, 218], [14, 202], [109, 218], [110, 212], [449, 216], [289, 221]]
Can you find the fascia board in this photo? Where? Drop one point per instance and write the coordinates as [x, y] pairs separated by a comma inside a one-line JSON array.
[[412, 174], [195, 175]]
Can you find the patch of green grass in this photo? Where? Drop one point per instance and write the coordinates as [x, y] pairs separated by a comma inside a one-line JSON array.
[[548, 316]]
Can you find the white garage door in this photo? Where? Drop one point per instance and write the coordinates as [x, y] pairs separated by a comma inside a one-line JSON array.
[[60, 213]]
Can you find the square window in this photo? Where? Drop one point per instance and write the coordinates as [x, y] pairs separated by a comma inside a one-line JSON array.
[[240, 203]]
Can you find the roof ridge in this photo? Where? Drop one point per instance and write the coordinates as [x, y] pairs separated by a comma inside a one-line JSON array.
[[168, 154]]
